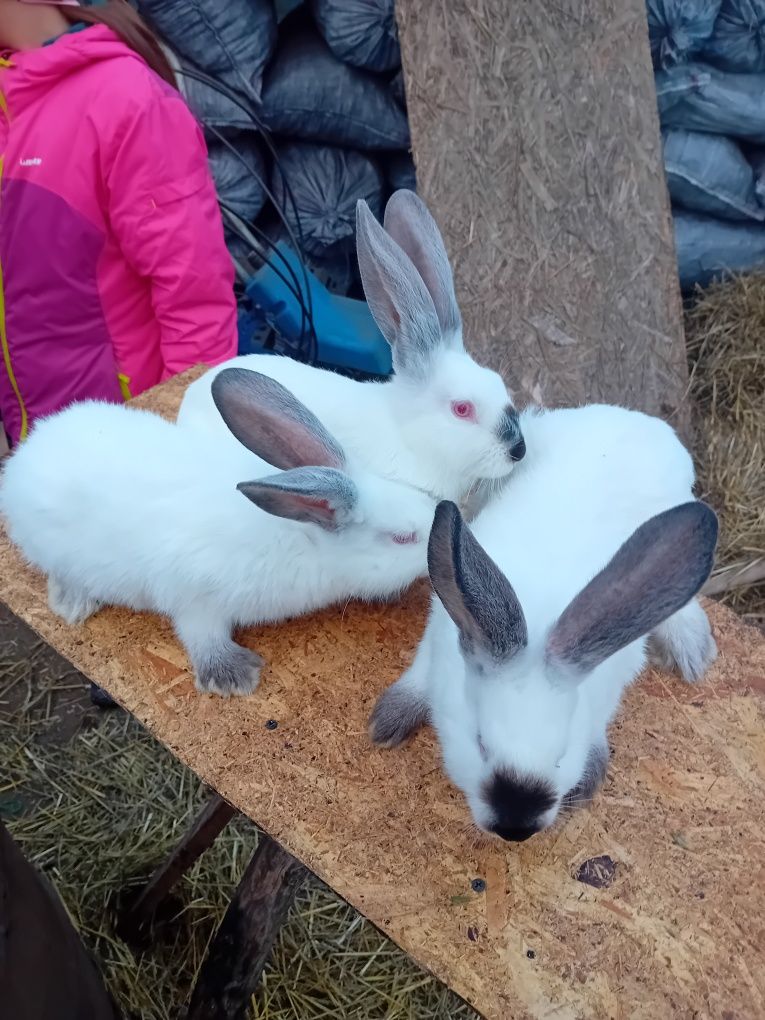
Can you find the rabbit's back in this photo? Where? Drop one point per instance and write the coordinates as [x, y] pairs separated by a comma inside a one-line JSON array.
[[331, 397], [119, 499], [591, 476]]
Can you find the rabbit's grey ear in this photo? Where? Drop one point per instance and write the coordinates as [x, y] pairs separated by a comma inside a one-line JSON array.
[[659, 569], [410, 224], [320, 496], [397, 297], [271, 422], [473, 590]]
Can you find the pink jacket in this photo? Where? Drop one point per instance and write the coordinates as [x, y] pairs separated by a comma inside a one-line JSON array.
[[114, 272]]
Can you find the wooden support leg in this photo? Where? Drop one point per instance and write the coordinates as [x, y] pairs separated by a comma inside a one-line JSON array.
[[208, 824], [243, 943]]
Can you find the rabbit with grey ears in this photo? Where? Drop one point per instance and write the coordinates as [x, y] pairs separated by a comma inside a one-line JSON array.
[[442, 422], [118, 506], [540, 615]]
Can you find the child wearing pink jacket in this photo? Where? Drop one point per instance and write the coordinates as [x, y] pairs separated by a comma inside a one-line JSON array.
[[113, 269]]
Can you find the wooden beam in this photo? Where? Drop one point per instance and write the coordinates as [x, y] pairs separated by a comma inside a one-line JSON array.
[[536, 140], [207, 826], [250, 926]]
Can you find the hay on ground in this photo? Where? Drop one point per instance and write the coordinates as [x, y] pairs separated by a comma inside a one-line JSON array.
[[725, 331]]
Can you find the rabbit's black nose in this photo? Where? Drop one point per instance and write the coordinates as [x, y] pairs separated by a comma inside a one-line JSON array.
[[509, 433], [515, 834]]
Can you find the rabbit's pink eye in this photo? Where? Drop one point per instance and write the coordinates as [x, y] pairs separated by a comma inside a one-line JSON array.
[[463, 409], [405, 539]]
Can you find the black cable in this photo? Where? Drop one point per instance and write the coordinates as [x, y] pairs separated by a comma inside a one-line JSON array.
[[298, 243], [234, 223], [247, 108], [253, 173], [294, 286], [254, 228]]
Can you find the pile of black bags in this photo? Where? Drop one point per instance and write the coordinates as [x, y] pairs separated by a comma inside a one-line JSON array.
[[324, 78], [709, 58]]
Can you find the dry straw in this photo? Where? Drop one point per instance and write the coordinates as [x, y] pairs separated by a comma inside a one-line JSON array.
[[726, 348]]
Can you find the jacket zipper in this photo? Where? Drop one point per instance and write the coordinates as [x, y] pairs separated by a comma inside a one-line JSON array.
[[3, 333]]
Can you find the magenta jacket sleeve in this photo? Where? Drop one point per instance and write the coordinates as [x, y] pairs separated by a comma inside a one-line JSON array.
[[164, 214]]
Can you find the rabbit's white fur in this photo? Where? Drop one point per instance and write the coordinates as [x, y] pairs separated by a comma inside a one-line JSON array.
[[405, 428], [118, 506], [592, 476], [397, 429]]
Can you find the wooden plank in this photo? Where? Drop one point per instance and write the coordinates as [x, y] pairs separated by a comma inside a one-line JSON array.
[[678, 931], [242, 945], [536, 140], [135, 922]]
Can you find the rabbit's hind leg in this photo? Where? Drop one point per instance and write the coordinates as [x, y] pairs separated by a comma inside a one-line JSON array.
[[684, 643], [70, 603]]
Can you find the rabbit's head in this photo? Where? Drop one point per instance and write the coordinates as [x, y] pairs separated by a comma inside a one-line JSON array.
[[451, 411], [521, 744], [316, 484]]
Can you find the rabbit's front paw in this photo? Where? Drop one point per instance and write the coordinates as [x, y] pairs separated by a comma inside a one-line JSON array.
[[233, 671], [398, 713]]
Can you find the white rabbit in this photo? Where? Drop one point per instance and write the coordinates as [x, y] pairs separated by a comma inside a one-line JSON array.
[[119, 506], [603, 543], [442, 422]]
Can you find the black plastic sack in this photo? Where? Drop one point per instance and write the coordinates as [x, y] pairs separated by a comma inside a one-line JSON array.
[[708, 249], [398, 89], [209, 105], [757, 160], [241, 188], [678, 28], [710, 174], [336, 268], [326, 183], [311, 95], [232, 41], [400, 172], [698, 97], [360, 32], [738, 41]]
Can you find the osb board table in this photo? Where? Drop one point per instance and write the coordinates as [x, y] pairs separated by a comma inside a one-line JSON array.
[[536, 140], [675, 925]]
